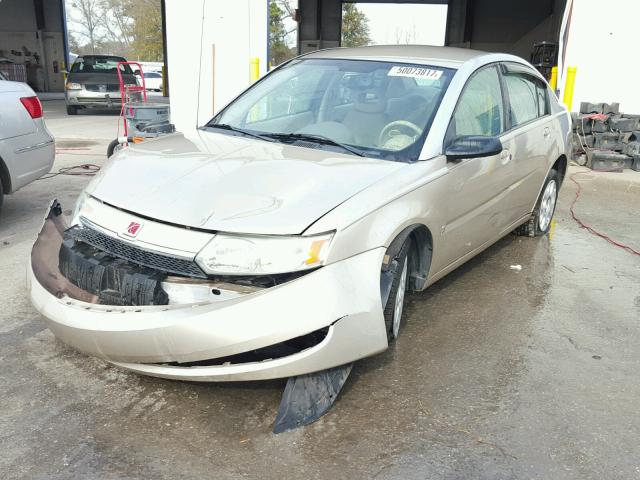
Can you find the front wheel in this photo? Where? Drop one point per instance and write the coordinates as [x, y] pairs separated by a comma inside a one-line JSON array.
[[540, 222], [394, 305], [114, 147], [71, 110]]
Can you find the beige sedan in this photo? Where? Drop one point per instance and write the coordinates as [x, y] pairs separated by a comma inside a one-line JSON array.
[[279, 239]]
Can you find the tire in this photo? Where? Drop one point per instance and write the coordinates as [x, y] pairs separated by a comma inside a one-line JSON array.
[[540, 222], [71, 110], [113, 147], [1, 194], [394, 307]]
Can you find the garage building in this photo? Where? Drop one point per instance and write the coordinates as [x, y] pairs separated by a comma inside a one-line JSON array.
[[33, 42]]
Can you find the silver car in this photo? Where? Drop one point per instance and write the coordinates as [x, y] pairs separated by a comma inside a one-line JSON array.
[[93, 82], [280, 238], [27, 149]]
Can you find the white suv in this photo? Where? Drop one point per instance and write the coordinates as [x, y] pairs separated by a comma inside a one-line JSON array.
[[27, 148]]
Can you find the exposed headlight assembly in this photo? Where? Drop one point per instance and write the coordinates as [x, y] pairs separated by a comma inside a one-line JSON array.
[[263, 255], [75, 219], [74, 86]]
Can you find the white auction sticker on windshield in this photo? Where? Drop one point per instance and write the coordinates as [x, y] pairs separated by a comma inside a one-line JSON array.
[[415, 72]]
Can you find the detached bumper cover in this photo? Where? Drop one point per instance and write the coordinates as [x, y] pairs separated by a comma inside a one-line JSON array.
[[344, 296]]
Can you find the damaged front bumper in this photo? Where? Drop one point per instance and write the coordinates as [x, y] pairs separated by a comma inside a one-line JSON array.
[[333, 315]]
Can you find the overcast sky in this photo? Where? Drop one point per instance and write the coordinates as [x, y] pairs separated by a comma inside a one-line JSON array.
[[421, 24]]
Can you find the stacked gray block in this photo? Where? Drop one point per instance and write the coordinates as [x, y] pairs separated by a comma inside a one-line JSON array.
[[610, 144]]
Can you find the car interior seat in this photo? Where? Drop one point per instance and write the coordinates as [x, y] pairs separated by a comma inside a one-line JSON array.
[[367, 118]]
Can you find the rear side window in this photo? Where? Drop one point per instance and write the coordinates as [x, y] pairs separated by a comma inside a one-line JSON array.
[[527, 96], [543, 99], [480, 107]]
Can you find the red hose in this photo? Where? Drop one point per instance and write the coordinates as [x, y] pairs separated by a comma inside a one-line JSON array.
[[588, 227]]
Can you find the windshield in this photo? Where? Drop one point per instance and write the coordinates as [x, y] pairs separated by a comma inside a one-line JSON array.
[[383, 109], [90, 64]]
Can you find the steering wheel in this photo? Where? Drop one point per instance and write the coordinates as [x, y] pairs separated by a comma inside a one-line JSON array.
[[394, 128]]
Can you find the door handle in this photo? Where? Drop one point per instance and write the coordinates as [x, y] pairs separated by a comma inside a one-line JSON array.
[[505, 157], [547, 132]]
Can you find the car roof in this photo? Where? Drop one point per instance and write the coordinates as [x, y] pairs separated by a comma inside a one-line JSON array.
[[443, 56], [91, 55]]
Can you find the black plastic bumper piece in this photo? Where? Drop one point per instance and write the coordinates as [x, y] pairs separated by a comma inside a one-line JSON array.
[[307, 397]]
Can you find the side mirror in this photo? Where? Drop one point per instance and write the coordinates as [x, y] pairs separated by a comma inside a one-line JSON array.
[[473, 146]]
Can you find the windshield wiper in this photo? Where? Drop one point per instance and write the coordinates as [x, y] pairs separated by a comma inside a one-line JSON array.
[[224, 126], [315, 138]]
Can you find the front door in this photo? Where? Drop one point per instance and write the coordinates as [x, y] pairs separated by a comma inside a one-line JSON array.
[[475, 188]]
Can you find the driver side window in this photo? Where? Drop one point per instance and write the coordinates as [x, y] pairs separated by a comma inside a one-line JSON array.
[[480, 109]]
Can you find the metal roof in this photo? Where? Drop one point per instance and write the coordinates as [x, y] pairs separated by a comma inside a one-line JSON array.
[[444, 56]]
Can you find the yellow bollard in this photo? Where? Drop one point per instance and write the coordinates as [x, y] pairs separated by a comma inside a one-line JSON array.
[[164, 82], [553, 81], [568, 87], [254, 69]]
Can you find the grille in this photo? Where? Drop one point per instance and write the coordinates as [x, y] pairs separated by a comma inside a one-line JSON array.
[[126, 251], [111, 87], [112, 100]]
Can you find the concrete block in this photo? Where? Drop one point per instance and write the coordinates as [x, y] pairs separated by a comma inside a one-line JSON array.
[[599, 126], [605, 160], [622, 124], [631, 148], [583, 125], [611, 108], [608, 141], [586, 107]]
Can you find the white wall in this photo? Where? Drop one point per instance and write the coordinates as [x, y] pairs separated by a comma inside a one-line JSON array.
[[209, 47], [602, 44]]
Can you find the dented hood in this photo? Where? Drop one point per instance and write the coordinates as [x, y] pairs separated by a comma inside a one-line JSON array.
[[227, 183]]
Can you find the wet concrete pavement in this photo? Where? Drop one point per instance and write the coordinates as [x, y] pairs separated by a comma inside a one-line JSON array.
[[498, 374]]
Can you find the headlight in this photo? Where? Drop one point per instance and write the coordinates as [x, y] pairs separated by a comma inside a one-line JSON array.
[[75, 219], [74, 86], [262, 255]]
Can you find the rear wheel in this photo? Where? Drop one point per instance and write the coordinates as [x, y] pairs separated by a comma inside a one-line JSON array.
[[71, 110], [394, 307], [540, 222]]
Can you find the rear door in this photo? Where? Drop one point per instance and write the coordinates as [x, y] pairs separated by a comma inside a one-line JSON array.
[[475, 188], [529, 137]]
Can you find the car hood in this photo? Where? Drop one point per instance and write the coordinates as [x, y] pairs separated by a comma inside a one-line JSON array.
[[99, 78], [221, 182]]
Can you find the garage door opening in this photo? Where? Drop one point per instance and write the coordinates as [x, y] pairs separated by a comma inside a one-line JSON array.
[[393, 24]]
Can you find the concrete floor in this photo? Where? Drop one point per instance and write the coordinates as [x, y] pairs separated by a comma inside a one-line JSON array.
[[498, 373]]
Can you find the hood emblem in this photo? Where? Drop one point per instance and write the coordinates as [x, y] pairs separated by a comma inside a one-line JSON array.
[[133, 229]]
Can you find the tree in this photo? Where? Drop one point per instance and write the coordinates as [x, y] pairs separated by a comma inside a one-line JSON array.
[[147, 29], [118, 24], [355, 26], [89, 15], [129, 28], [279, 49]]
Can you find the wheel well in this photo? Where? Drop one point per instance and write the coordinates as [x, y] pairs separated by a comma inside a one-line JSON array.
[[4, 177], [561, 167], [420, 256]]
